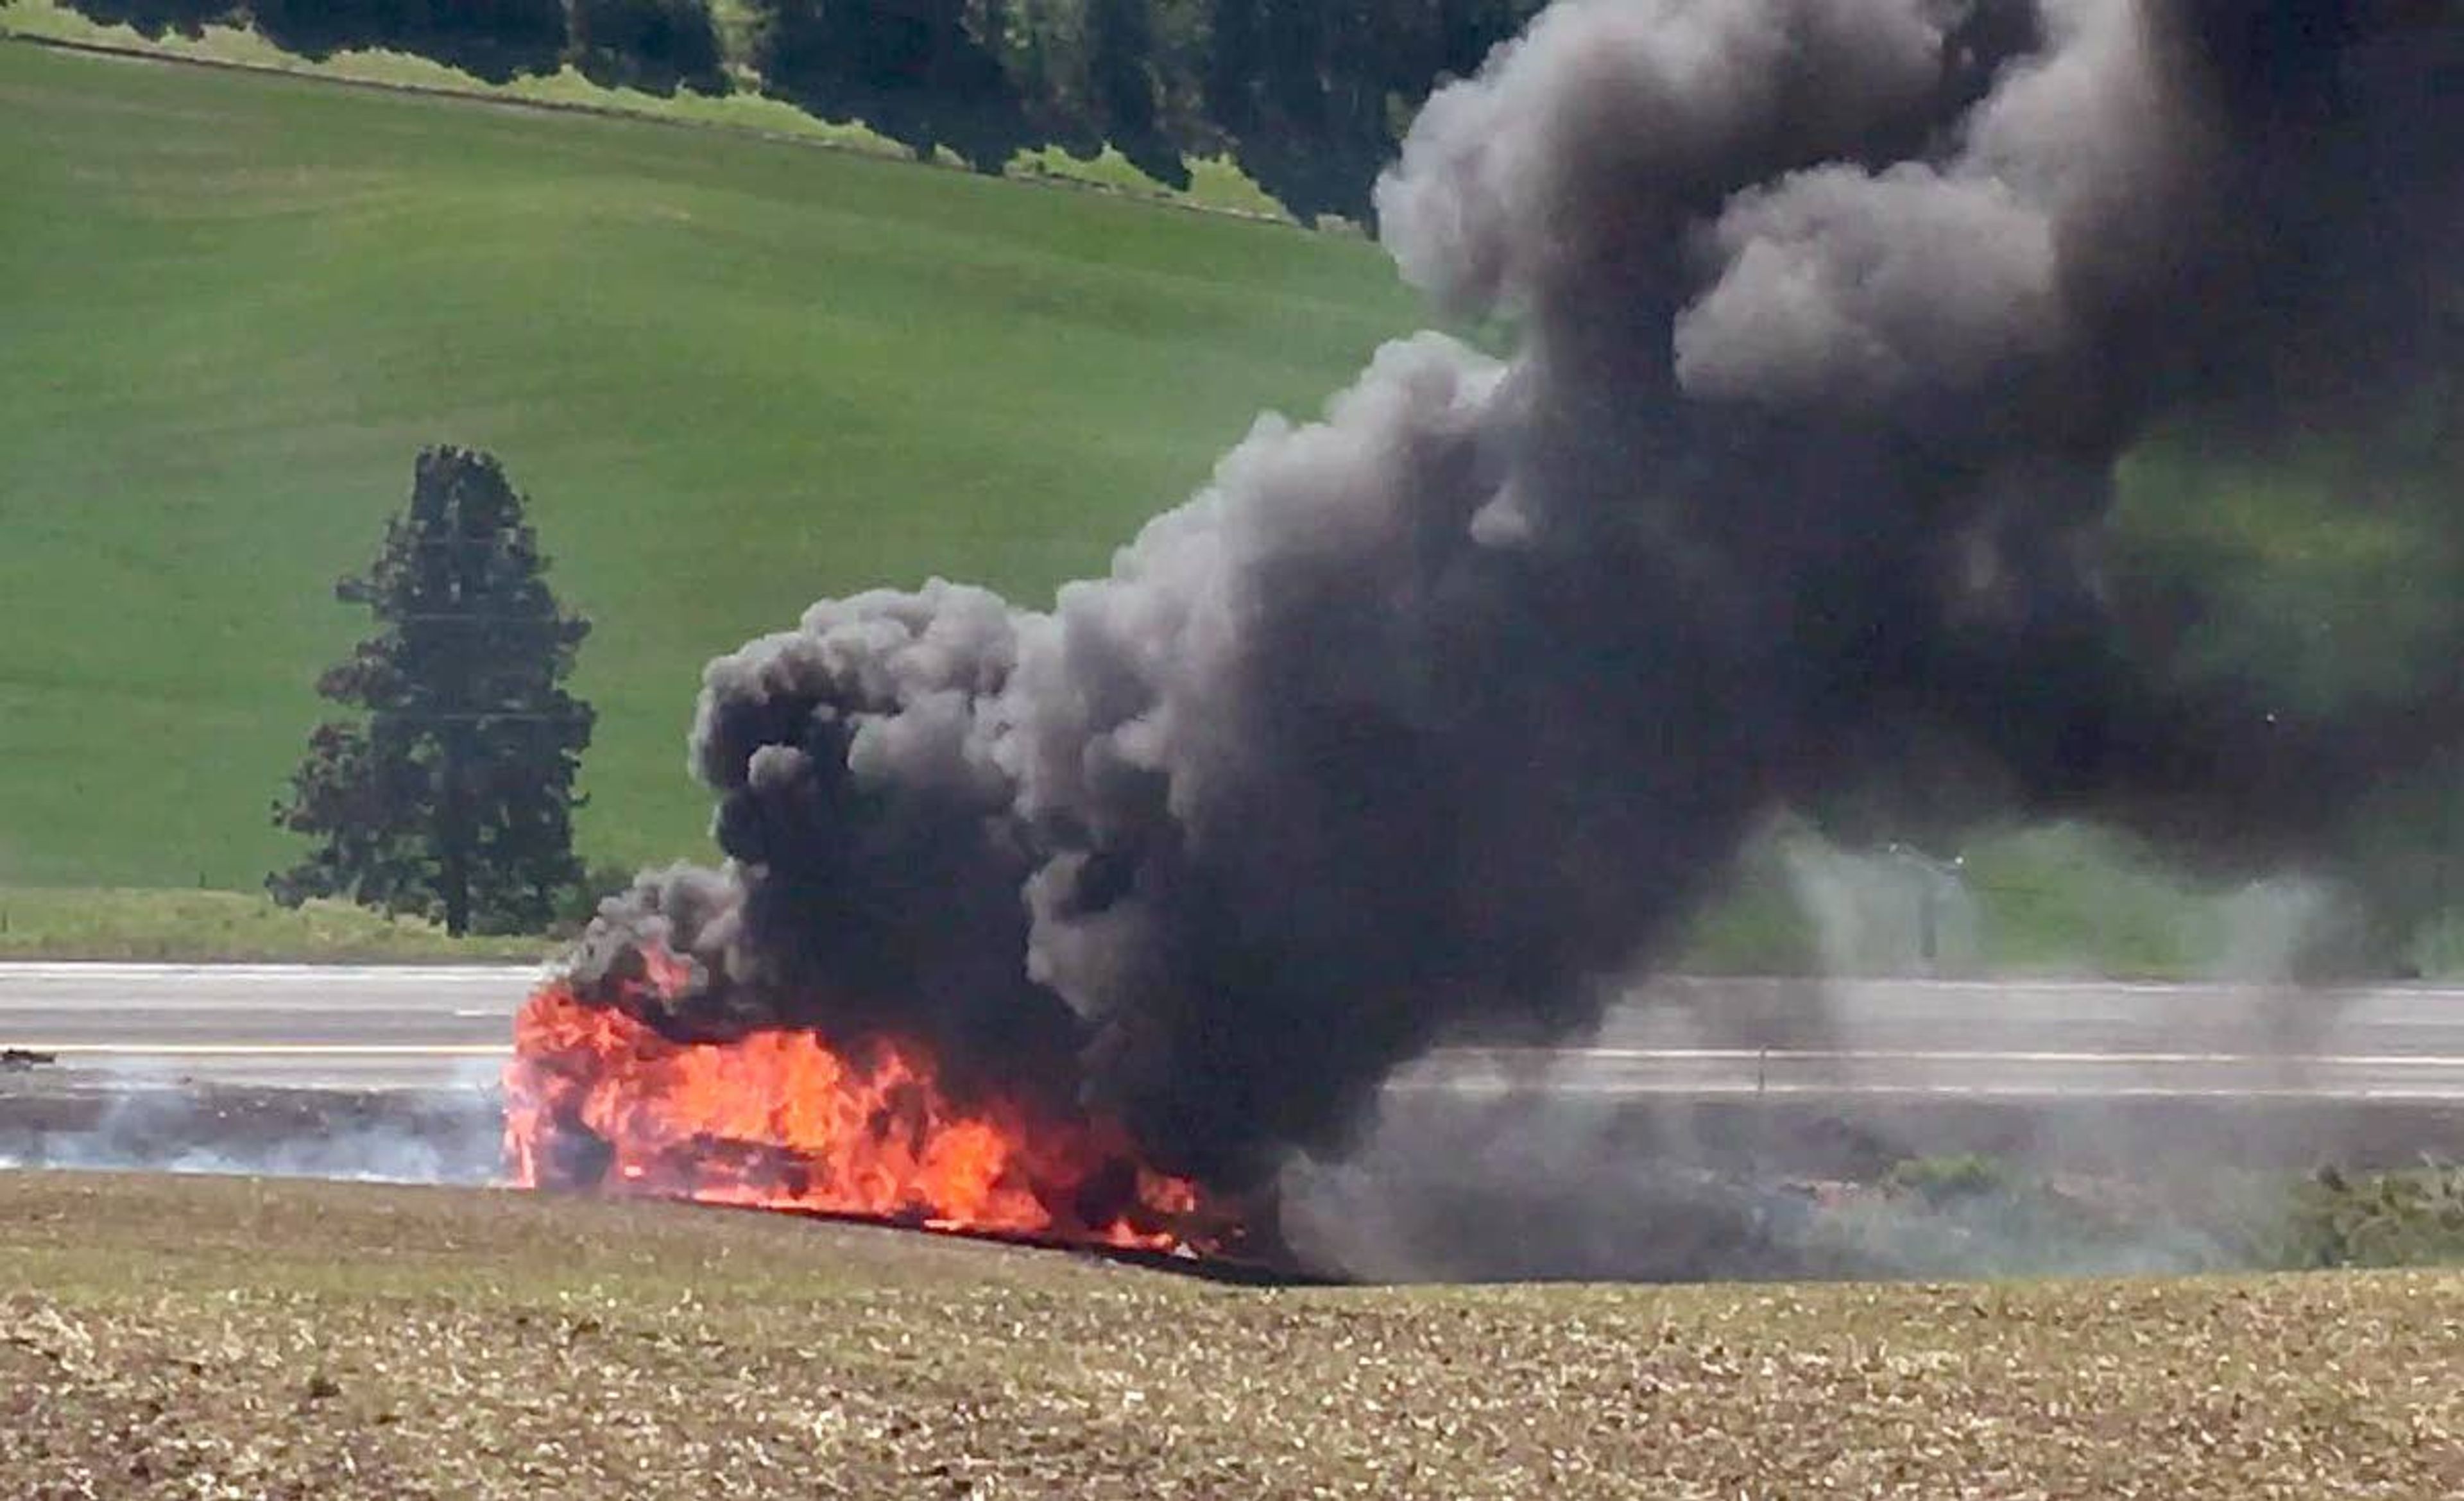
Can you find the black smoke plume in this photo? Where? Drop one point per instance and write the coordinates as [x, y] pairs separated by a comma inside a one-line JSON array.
[[1834, 319]]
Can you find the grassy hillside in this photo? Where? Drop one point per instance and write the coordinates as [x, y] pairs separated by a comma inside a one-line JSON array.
[[733, 375], [328, 1340]]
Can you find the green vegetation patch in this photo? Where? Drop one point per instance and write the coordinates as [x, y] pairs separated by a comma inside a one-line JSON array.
[[1972, 1215], [733, 375], [218, 927], [179, 1337], [2408, 1219]]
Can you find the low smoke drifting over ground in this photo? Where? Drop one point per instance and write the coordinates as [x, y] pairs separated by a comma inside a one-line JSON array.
[[1445, 712]]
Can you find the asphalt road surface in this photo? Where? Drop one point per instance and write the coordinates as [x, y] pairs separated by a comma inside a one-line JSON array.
[[117, 1026], [378, 1027]]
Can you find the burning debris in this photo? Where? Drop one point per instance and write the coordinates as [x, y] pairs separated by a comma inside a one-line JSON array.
[[1445, 713]]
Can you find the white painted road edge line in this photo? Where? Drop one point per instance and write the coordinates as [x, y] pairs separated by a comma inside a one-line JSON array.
[[2097, 1060], [49, 970], [272, 1049], [1820, 1089], [112, 970], [1776, 1057]]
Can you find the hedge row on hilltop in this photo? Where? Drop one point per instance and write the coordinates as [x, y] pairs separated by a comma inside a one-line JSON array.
[[1309, 97], [659, 45]]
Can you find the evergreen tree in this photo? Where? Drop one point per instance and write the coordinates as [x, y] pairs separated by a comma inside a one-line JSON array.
[[657, 46], [917, 71], [1121, 69], [454, 797]]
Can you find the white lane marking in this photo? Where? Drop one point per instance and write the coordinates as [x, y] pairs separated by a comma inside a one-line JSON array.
[[73, 969], [171, 1006], [68, 966], [269, 1050], [1950, 1056], [2183, 988], [1748, 1089], [1626, 1054]]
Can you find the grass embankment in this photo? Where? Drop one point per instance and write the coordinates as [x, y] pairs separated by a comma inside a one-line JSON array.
[[735, 375], [341, 1342], [226, 927]]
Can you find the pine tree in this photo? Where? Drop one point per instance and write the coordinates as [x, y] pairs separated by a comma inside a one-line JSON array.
[[452, 798]]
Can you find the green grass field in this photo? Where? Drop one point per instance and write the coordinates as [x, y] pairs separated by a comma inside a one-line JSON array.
[[736, 374], [234, 1338], [733, 375], [218, 927]]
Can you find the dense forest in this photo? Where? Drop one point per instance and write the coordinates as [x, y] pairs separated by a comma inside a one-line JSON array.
[[1309, 97]]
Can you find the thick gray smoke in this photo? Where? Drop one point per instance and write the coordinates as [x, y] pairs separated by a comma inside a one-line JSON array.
[[1836, 317]]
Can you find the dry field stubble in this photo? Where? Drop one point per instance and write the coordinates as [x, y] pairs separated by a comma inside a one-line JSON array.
[[226, 1337]]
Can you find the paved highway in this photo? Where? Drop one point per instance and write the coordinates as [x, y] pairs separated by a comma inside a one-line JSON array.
[[384, 1028], [288, 1025], [2010, 1039]]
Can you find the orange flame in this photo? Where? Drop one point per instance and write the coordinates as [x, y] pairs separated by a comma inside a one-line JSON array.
[[779, 1119]]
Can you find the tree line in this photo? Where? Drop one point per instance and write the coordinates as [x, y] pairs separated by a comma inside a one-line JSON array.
[[656, 45], [1309, 97]]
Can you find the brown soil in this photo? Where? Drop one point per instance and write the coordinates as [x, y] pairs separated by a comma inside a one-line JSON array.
[[231, 1337]]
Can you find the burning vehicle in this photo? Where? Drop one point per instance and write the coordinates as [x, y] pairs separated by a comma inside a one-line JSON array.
[[782, 1119]]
